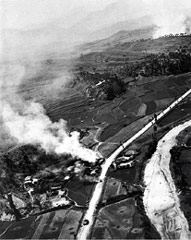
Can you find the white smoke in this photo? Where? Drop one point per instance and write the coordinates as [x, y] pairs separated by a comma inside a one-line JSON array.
[[170, 16], [25, 122], [31, 126]]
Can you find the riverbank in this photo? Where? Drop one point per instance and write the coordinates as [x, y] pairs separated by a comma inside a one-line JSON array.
[[180, 166], [160, 199]]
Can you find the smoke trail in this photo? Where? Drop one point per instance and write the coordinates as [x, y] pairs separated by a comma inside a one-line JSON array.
[[170, 16], [31, 126], [27, 123]]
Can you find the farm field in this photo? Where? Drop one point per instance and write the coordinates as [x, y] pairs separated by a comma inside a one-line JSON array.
[[116, 54], [80, 191], [129, 177], [122, 220], [130, 224], [104, 124], [60, 224], [110, 122], [115, 116]]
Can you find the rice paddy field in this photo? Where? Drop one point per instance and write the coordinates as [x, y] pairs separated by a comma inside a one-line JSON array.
[[122, 180], [113, 119], [116, 119], [62, 224], [107, 124], [122, 220]]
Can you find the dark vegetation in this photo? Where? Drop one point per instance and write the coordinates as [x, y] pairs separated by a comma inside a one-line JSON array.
[[142, 58], [147, 149], [80, 191], [157, 64], [126, 175], [105, 85], [104, 80], [25, 161], [19, 230], [180, 166], [30, 161], [105, 96], [50, 171], [149, 230]]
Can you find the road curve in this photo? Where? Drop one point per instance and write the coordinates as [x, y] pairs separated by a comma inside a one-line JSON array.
[[84, 230]]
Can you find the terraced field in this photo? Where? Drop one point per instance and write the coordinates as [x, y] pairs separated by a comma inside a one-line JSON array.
[[107, 124], [111, 118], [115, 118], [115, 204]]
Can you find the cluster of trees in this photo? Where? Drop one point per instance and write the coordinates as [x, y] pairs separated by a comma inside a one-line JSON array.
[[175, 35], [25, 161], [176, 168], [104, 85], [13, 164], [174, 62], [107, 83]]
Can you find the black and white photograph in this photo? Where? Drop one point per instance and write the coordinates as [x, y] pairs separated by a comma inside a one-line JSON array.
[[95, 119]]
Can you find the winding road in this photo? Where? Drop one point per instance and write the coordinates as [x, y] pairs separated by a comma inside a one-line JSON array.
[[84, 230]]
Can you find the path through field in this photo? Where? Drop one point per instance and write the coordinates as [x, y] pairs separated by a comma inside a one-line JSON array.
[[90, 214]]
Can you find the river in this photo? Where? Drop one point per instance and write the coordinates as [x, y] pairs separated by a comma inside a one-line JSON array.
[[89, 215], [161, 199]]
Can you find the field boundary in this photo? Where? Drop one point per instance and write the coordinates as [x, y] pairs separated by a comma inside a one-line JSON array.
[[89, 216]]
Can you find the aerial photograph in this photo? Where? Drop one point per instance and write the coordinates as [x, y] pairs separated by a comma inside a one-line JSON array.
[[95, 119]]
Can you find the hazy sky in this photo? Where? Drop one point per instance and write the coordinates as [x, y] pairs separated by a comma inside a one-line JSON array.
[[24, 13], [169, 15]]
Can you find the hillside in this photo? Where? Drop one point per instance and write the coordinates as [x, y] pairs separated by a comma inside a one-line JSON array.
[[107, 98], [123, 48], [119, 37], [127, 25], [114, 13]]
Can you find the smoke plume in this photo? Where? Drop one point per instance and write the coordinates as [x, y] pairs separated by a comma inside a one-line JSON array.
[[170, 16], [25, 122]]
